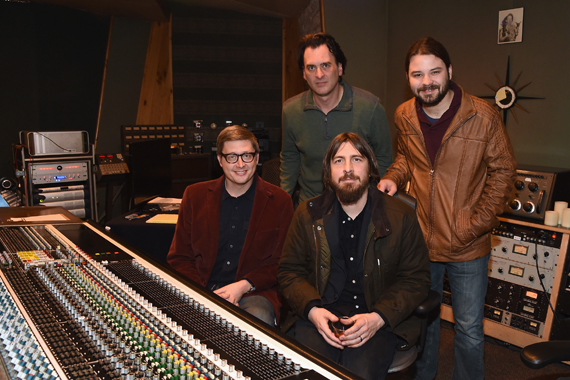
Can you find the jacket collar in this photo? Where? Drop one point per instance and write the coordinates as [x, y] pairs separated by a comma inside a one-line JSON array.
[[322, 205], [345, 103]]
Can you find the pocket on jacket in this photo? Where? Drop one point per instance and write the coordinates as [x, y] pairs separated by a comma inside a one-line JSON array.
[[465, 234]]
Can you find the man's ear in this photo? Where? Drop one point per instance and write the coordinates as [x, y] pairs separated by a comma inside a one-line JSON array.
[[219, 159], [450, 72]]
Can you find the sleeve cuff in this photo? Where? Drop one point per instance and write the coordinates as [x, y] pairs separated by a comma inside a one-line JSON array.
[[309, 306], [386, 323]]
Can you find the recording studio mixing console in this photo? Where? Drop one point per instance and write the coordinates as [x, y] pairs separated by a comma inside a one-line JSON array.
[[76, 304]]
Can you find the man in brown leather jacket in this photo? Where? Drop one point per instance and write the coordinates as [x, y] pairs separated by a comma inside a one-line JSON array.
[[356, 252], [455, 153]]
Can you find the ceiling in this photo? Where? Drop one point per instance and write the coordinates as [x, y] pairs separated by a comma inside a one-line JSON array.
[[158, 10]]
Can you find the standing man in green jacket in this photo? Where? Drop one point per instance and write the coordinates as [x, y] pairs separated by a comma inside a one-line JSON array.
[[313, 118], [354, 251]]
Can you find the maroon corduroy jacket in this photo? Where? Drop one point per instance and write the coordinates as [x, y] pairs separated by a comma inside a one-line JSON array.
[[195, 244]]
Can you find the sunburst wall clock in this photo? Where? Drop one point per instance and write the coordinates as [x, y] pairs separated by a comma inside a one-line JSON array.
[[507, 94]]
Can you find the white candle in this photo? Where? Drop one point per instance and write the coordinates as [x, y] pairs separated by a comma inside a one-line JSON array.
[[559, 207], [551, 218], [566, 218]]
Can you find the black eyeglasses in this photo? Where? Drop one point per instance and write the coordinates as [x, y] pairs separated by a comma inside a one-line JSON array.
[[232, 158]]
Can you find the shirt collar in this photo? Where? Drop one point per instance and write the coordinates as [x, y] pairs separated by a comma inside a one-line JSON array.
[[249, 194], [343, 215]]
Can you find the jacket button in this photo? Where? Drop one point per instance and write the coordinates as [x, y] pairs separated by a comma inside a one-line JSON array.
[[387, 229], [319, 228], [311, 204], [322, 267]]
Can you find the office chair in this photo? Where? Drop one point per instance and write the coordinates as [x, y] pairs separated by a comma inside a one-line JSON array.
[[539, 355], [271, 170], [406, 354]]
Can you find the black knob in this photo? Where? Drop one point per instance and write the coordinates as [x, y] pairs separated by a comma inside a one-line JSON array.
[[528, 207], [533, 186], [504, 249], [515, 204], [519, 185], [546, 254], [500, 270], [531, 278]]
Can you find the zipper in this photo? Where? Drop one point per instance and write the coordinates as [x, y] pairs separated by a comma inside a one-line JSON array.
[[432, 181], [432, 170], [317, 272]]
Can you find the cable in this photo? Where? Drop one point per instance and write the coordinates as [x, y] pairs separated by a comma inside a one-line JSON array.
[[54, 143], [542, 284]]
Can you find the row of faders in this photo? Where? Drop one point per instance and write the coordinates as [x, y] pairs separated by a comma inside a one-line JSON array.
[[23, 357], [118, 320]]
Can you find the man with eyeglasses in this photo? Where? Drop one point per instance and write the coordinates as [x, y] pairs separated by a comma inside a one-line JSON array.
[[313, 118], [231, 230]]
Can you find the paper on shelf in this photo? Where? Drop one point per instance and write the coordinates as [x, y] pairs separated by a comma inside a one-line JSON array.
[[166, 200], [164, 218]]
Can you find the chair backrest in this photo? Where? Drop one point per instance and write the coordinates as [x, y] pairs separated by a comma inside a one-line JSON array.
[[271, 171], [408, 199]]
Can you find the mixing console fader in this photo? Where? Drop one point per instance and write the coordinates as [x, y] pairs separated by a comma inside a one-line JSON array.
[[74, 304]]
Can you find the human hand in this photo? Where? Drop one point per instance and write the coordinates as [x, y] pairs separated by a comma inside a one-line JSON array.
[[234, 291], [387, 186], [320, 317], [364, 328]]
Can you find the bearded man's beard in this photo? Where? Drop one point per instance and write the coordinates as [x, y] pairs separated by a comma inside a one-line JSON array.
[[430, 100], [350, 193]]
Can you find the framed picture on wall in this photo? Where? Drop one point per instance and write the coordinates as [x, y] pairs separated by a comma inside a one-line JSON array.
[[510, 26]]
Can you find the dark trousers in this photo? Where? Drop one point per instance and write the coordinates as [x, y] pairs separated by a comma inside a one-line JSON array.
[[369, 361]]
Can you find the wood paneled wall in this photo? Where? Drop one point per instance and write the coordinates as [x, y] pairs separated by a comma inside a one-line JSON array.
[[156, 101]]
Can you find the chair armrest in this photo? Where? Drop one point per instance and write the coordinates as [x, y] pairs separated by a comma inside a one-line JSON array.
[[406, 198], [430, 303], [541, 354]]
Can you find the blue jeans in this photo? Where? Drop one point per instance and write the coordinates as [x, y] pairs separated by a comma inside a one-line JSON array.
[[259, 307], [468, 281]]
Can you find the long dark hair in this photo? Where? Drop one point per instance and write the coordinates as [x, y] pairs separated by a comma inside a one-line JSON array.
[[427, 46], [361, 146]]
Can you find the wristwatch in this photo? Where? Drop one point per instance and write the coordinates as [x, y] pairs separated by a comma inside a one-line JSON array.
[[252, 287]]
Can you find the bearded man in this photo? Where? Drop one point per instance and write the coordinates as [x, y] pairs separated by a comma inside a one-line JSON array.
[[454, 151], [356, 253]]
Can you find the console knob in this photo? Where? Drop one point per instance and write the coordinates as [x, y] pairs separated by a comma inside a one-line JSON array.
[[519, 185], [531, 278], [528, 207], [533, 186], [515, 204]]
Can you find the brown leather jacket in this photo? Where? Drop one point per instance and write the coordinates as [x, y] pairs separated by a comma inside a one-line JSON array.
[[461, 194]]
